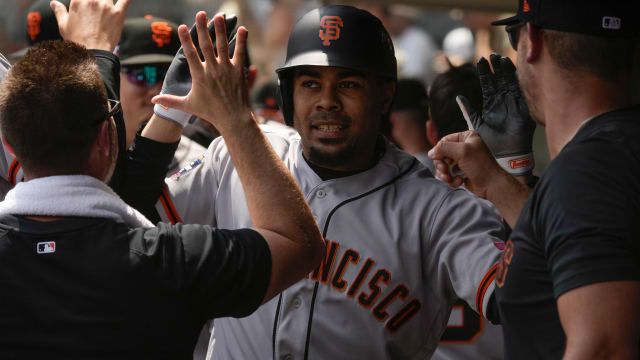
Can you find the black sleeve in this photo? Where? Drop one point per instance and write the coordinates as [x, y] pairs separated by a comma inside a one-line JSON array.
[[492, 313], [589, 217], [220, 272], [140, 171], [109, 69], [146, 167]]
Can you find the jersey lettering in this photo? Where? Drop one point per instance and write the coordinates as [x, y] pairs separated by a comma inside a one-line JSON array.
[[330, 29], [350, 256], [380, 275], [377, 285], [380, 312], [465, 329], [404, 315], [361, 276], [503, 265], [327, 263]]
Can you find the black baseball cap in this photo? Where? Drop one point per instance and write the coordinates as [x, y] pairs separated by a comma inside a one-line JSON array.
[[41, 25], [148, 40], [612, 18]]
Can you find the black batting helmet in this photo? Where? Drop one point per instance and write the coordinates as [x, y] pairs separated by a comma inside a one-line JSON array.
[[340, 36]]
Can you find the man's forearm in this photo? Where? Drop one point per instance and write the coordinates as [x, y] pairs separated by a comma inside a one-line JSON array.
[[508, 195], [270, 190], [161, 130]]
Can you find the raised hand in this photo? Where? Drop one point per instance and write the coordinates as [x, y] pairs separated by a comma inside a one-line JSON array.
[[504, 124], [96, 24], [178, 78], [218, 93]]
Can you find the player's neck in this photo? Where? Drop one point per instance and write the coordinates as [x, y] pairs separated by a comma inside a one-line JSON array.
[[570, 103]]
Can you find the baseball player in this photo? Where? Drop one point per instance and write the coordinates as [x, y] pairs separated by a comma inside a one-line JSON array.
[[401, 247], [146, 48]]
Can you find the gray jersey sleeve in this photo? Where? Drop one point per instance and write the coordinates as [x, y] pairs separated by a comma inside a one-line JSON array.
[[190, 193], [466, 237]]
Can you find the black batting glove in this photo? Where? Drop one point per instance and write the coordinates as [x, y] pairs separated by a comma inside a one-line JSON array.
[[505, 125]]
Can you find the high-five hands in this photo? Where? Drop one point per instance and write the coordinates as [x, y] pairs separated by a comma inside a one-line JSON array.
[[96, 24], [218, 93]]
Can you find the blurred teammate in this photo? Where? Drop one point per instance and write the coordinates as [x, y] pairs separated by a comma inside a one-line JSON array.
[[569, 278], [146, 49], [41, 25], [408, 120]]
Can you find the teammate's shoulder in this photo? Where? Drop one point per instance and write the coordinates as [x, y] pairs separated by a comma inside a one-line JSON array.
[[274, 128]]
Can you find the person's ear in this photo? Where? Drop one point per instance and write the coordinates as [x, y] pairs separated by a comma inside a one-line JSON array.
[[534, 37], [432, 133], [103, 140], [387, 95], [8, 147]]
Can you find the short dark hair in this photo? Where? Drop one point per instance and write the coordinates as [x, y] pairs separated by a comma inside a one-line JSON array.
[[461, 80], [606, 57], [50, 105]]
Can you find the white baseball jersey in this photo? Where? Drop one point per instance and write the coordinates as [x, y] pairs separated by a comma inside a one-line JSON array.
[[468, 336], [401, 248]]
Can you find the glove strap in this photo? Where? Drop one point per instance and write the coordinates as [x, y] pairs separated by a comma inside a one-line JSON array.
[[517, 164], [177, 116]]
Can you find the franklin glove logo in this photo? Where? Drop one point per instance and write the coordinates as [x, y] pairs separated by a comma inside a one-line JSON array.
[[161, 33], [519, 163], [46, 247], [33, 25], [330, 29]]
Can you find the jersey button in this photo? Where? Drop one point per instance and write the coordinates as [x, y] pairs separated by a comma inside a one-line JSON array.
[[321, 193], [296, 302]]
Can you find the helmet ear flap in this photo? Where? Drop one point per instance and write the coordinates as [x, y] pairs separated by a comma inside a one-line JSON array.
[[285, 96]]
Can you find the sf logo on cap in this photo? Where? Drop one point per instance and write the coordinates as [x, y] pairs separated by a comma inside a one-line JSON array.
[[33, 24], [161, 33], [330, 29]]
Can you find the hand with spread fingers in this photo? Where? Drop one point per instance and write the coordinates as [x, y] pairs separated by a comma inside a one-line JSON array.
[[96, 24], [218, 93], [178, 79], [504, 124]]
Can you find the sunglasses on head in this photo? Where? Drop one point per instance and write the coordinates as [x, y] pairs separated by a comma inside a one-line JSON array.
[[145, 75], [114, 108], [513, 31]]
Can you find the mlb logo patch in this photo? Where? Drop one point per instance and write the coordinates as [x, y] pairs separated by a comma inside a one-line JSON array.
[[611, 23], [46, 247]]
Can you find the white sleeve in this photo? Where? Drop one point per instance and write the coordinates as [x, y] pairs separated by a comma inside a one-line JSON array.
[[466, 242], [190, 194]]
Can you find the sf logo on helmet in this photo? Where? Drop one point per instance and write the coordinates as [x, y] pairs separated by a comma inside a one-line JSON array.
[[330, 29]]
